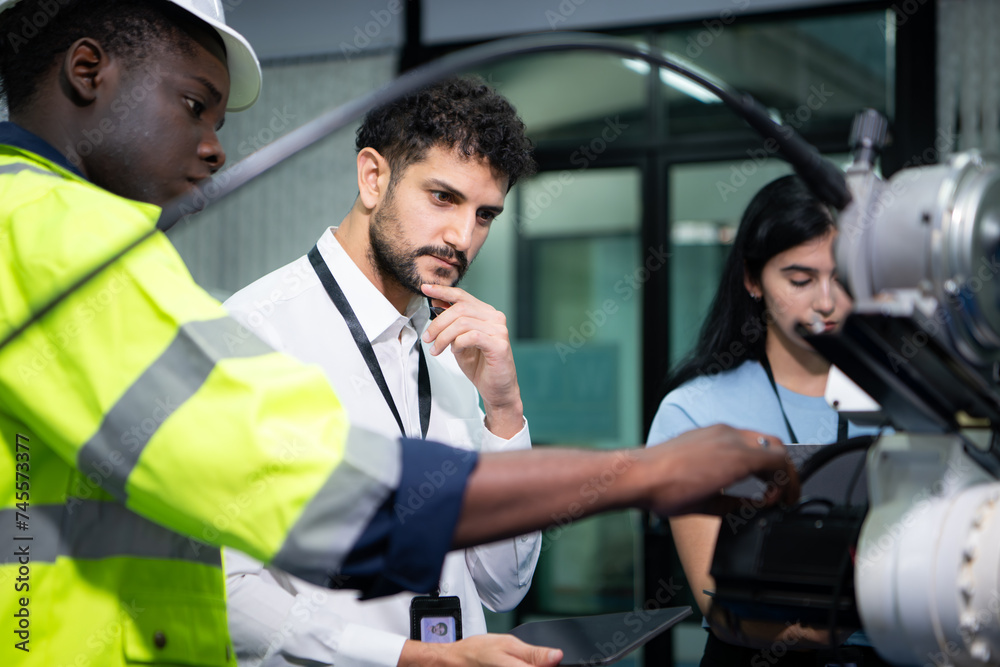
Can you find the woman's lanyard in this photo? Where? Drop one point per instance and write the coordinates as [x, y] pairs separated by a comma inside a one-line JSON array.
[[841, 420], [365, 347]]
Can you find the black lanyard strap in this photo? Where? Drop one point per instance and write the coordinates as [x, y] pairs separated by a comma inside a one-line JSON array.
[[842, 423], [365, 347], [774, 385]]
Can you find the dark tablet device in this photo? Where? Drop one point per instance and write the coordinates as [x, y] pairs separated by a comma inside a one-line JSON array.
[[602, 639]]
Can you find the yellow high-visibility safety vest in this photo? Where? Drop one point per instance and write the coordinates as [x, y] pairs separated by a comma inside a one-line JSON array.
[[139, 425]]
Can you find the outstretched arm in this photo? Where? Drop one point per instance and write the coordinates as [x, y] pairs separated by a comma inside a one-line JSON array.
[[502, 570], [511, 493]]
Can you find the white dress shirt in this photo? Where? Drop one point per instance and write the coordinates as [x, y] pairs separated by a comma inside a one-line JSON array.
[[276, 619]]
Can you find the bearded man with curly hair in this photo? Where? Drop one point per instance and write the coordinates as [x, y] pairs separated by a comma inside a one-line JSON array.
[[433, 171]]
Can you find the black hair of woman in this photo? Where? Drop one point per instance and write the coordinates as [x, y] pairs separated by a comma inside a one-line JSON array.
[[782, 215]]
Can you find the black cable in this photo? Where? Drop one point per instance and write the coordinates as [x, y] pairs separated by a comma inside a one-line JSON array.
[[988, 460], [806, 502], [826, 181], [829, 452], [854, 480], [819, 459], [845, 561]]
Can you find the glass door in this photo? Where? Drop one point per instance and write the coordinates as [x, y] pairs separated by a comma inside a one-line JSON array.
[[568, 270]]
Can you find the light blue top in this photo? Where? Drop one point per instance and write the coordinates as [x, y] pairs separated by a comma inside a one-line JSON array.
[[743, 398]]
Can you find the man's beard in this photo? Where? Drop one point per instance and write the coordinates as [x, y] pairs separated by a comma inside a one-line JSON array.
[[400, 265]]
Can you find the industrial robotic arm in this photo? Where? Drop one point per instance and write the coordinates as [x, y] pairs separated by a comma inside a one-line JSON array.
[[920, 255]]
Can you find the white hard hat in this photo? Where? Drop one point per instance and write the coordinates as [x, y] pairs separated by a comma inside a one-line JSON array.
[[244, 68]]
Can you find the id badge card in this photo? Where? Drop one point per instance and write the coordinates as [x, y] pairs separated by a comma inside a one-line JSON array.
[[434, 619]]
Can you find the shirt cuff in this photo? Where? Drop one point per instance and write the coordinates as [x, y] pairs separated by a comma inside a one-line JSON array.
[[404, 545], [527, 549], [362, 646], [494, 443]]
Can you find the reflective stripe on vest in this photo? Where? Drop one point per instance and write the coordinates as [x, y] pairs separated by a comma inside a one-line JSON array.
[[180, 371], [92, 529], [16, 168], [350, 493]]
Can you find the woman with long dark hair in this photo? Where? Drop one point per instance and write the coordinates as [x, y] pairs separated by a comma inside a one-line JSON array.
[[751, 369]]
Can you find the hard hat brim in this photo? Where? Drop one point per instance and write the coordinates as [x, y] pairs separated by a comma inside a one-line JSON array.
[[244, 68]]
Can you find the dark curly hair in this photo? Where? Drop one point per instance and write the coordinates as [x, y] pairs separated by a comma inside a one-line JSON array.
[[35, 33], [462, 113]]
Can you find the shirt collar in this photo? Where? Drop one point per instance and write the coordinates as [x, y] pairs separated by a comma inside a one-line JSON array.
[[12, 134], [377, 316]]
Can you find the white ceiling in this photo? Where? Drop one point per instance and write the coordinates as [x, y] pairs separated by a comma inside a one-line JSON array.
[[462, 20]]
